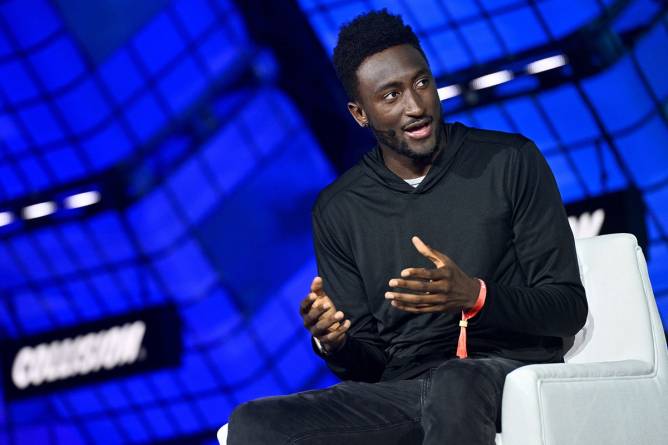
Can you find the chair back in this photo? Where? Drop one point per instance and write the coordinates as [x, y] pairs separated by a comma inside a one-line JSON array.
[[623, 321]]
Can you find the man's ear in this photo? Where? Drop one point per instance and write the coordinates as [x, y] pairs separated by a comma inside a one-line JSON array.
[[358, 114]]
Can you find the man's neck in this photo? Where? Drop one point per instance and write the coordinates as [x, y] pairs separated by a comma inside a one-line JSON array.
[[406, 167]]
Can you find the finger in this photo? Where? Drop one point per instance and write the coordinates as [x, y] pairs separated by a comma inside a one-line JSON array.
[[415, 299], [307, 302], [316, 287], [425, 274], [335, 336], [422, 309], [432, 255], [318, 308], [424, 286], [327, 324]]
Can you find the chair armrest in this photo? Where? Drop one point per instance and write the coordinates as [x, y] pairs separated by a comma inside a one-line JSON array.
[[584, 403]]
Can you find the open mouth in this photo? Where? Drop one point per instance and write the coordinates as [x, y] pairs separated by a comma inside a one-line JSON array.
[[419, 130]]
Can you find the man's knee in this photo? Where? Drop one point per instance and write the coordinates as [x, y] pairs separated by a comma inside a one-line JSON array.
[[257, 421]]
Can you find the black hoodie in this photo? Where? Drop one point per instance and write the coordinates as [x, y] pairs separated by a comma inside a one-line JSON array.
[[491, 204]]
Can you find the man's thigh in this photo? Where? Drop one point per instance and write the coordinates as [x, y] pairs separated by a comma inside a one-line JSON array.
[[355, 412], [464, 398]]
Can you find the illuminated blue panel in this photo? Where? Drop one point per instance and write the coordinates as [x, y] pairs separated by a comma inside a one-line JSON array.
[[658, 201], [60, 259], [211, 318], [446, 52], [135, 427], [430, 13], [196, 374], [60, 306], [145, 116], [84, 401], [160, 424], [265, 384], [462, 10], [568, 114], [65, 163], [5, 47], [67, 434], [31, 313], [15, 81], [121, 76], [107, 146], [30, 261], [83, 106], [139, 391], [113, 395], [158, 43], [29, 27], [32, 434], [9, 329], [166, 385], [212, 407], [111, 237], [653, 62], [185, 419], [530, 124], [579, 12], [235, 349], [33, 170], [483, 42], [155, 222], [600, 177], [218, 50], [569, 186], [104, 428], [10, 184], [186, 272], [231, 157], [84, 303], [193, 188], [103, 285], [645, 152], [182, 85], [520, 29], [57, 64], [491, 118], [196, 15], [268, 231], [77, 238], [41, 123], [636, 13], [614, 108], [272, 324], [297, 365], [345, 12]]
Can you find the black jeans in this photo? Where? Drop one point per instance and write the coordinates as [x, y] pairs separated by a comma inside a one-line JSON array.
[[458, 402]]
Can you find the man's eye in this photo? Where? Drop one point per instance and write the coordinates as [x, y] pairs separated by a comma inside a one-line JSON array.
[[423, 82], [391, 95]]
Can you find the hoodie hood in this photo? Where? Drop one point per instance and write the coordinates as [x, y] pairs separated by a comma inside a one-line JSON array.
[[373, 164]]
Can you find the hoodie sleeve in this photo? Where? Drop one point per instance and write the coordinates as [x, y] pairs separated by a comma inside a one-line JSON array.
[[552, 302], [362, 356]]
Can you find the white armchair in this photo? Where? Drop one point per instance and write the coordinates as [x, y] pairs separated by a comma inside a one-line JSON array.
[[613, 388]]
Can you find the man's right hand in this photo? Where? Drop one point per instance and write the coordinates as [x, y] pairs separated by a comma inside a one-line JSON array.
[[322, 319]]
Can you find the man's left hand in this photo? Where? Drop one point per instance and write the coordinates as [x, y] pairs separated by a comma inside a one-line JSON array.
[[444, 289]]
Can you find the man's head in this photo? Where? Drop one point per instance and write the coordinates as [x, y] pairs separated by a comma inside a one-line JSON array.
[[388, 80]]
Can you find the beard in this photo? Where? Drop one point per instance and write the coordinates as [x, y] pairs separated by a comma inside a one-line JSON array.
[[390, 140]]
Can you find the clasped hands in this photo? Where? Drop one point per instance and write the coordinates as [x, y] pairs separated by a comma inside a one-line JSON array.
[[418, 290]]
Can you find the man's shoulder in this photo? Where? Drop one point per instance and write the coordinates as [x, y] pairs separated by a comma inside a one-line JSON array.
[[495, 138], [336, 191]]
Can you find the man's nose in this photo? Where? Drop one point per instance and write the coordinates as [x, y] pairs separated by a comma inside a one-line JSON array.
[[414, 104]]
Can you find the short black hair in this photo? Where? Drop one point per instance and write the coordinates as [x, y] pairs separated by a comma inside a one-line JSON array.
[[367, 34]]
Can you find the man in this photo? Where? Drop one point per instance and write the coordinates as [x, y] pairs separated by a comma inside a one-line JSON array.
[[445, 259]]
